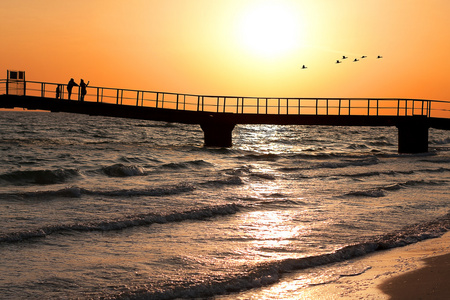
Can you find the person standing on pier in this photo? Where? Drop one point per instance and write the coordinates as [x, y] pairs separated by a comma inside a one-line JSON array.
[[83, 86], [58, 91], [70, 85]]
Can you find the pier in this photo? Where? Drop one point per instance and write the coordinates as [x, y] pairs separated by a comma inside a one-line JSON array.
[[218, 115]]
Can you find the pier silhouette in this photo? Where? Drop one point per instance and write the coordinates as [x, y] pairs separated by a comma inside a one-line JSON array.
[[218, 115]]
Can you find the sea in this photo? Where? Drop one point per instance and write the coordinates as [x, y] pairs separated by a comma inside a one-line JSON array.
[[96, 207]]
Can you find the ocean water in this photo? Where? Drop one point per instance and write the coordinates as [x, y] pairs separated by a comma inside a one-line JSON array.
[[98, 207]]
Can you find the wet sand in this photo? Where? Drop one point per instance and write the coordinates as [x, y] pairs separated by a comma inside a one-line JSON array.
[[418, 271], [430, 282]]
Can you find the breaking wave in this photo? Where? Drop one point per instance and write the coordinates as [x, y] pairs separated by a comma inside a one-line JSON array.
[[126, 222], [270, 272], [78, 192], [380, 191], [40, 176], [120, 170]]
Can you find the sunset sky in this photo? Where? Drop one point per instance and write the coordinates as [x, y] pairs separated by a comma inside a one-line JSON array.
[[234, 47]]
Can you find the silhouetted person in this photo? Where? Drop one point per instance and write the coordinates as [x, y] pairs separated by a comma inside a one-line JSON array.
[[58, 91], [83, 86], [70, 85]]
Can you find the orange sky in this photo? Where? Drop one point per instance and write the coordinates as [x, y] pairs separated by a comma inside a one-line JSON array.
[[234, 47]]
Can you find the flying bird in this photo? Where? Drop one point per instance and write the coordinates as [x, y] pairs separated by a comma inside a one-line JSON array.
[[379, 56], [344, 57], [364, 56], [355, 60], [304, 67], [338, 61]]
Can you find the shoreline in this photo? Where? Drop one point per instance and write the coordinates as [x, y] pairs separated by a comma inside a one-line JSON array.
[[416, 271]]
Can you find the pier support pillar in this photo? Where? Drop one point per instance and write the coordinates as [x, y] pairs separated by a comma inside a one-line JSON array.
[[412, 137], [218, 134]]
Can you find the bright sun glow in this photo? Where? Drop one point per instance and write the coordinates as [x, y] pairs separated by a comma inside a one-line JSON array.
[[270, 29]]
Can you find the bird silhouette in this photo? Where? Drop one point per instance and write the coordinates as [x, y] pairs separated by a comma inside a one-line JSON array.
[[379, 56], [338, 61], [355, 60], [364, 56], [304, 67], [344, 57]]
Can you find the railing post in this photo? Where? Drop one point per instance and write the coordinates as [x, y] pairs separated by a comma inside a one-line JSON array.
[[218, 104], [279, 104], [98, 93], [157, 99], [349, 106], [317, 103], [177, 100], [339, 109], [42, 90], [378, 107], [117, 97], [287, 106], [299, 106], [162, 100], [267, 106], [137, 98], [327, 100], [257, 106], [7, 86], [242, 106], [24, 88], [237, 105], [368, 107]]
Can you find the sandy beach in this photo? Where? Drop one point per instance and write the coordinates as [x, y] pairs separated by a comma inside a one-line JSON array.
[[418, 271]]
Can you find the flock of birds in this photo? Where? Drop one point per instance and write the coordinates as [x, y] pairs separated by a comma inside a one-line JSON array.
[[338, 61]]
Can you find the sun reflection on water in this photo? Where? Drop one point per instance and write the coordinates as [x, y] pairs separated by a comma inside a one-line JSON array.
[[271, 233]]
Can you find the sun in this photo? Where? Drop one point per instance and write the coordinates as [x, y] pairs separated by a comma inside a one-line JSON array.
[[270, 29]]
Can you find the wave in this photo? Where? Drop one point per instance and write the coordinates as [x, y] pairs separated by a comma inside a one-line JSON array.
[[126, 222], [443, 141], [76, 192], [260, 157], [40, 176], [348, 163], [120, 170], [233, 180], [186, 165], [332, 164], [270, 272], [376, 173], [380, 191]]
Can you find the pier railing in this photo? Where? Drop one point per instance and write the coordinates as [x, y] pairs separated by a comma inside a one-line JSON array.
[[234, 104]]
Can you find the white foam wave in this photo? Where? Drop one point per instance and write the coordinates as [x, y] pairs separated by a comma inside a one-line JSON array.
[[126, 222], [120, 170], [269, 272]]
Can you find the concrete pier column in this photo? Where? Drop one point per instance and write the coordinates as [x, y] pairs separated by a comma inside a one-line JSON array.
[[412, 137], [218, 134]]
